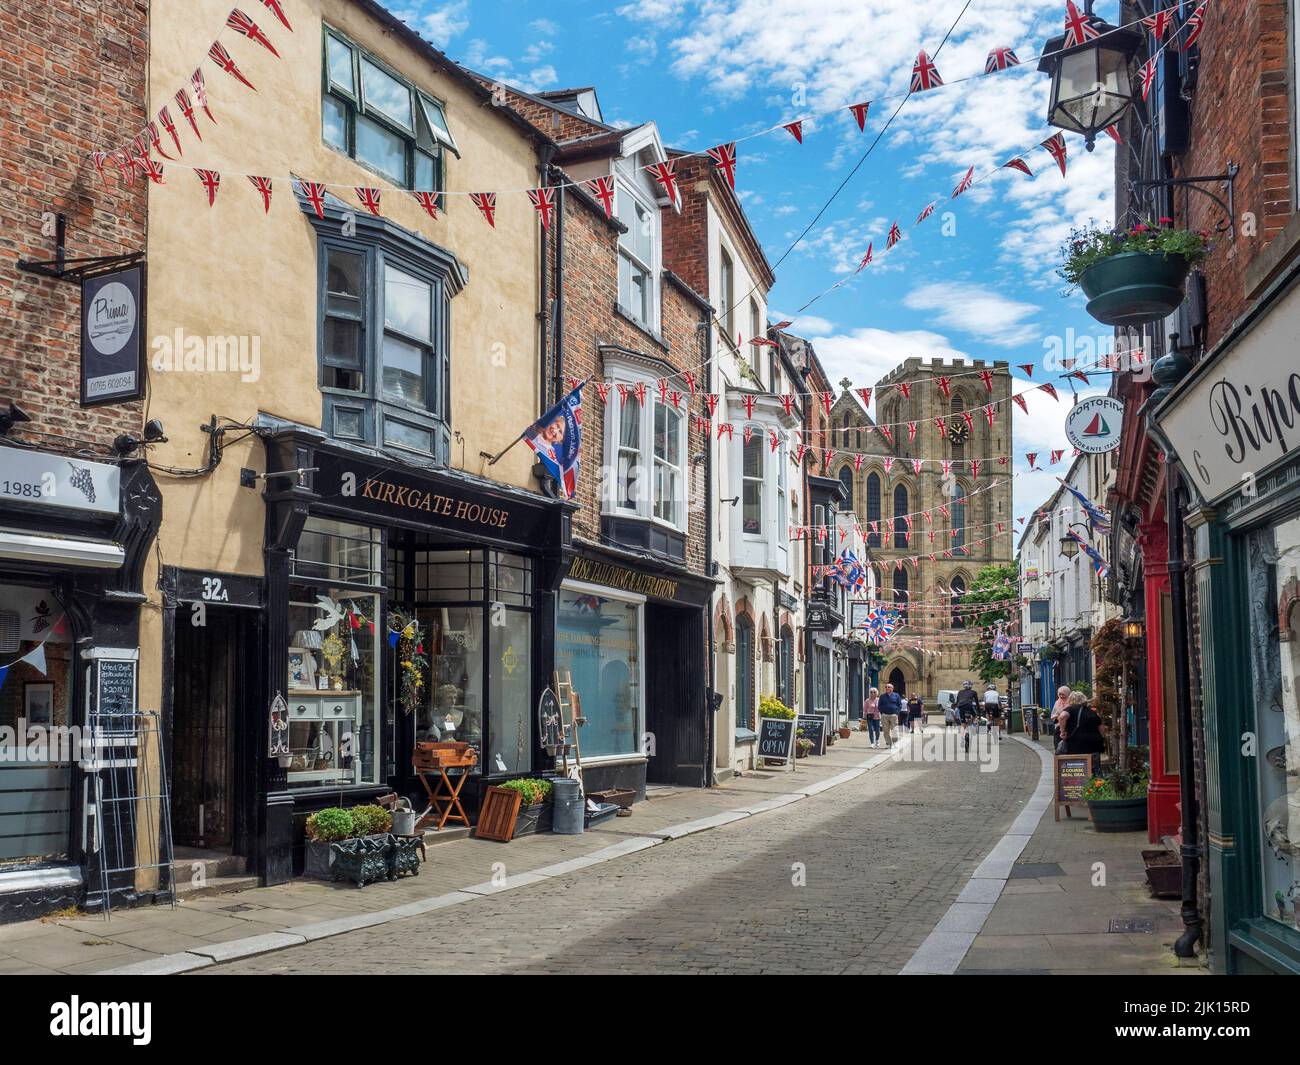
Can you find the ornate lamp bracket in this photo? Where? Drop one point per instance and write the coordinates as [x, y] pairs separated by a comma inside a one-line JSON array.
[[1225, 180]]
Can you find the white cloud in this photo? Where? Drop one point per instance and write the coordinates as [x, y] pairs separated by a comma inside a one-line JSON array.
[[538, 78], [976, 310], [544, 26], [446, 22], [866, 355]]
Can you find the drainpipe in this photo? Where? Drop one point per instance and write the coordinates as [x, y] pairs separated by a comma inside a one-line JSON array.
[[543, 300], [1185, 946], [712, 698], [558, 340]]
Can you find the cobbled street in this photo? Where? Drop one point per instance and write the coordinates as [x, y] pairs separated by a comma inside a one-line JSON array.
[[884, 856]]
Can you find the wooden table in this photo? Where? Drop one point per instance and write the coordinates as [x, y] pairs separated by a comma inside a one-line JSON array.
[[444, 795]]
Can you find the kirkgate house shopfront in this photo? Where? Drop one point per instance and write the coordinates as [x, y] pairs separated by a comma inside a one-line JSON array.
[[1232, 425]]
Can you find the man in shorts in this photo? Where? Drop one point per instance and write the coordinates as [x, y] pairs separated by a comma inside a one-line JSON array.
[[993, 709]]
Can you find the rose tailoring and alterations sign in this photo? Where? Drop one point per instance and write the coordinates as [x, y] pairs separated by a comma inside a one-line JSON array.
[[1240, 413], [112, 336]]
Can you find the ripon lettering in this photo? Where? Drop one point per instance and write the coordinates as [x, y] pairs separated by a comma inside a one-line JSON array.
[[77, 1018], [1248, 423]]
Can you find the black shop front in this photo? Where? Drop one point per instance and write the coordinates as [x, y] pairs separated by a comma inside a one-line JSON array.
[[630, 634], [379, 575]]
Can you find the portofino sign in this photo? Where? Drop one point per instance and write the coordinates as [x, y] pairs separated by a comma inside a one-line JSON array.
[[1241, 413]]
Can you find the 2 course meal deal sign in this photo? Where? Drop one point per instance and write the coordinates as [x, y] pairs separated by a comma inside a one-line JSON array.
[[1241, 412], [112, 336]]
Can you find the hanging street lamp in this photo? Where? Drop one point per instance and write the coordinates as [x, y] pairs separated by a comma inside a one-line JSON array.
[[1092, 83]]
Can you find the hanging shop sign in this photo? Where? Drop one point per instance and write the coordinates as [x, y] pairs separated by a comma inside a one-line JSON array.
[[1093, 425], [40, 479], [821, 618], [112, 336]]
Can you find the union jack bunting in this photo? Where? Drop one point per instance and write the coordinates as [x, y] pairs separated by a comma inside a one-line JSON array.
[[795, 129], [486, 202], [200, 87], [1195, 24], [895, 235], [866, 260], [858, 460], [911, 431], [165, 117], [865, 393], [100, 159], [941, 424], [1056, 456], [278, 12], [1159, 23], [369, 199], [828, 400], [543, 201], [1000, 59], [1028, 367], [314, 193], [242, 24], [156, 140], [749, 431], [917, 464], [428, 201], [726, 427], [748, 399], [965, 183], [710, 401], [603, 189], [1031, 457], [666, 175], [974, 469], [724, 159], [990, 412], [218, 54], [987, 377], [906, 389], [1018, 164], [925, 75], [889, 437], [970, 422], [1056, 149], [860, 113], [1020, 401], [787, 401], [263, 186], [889, 463], [153, 169], [1077, 27], [774, 438], [1148, 76], [926, 212], [945, 385], [183, 101], [1051, 391], [1098, 563], [211, 182], [689, 378]]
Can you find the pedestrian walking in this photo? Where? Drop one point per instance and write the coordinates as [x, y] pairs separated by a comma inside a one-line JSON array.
[[1081, 729], [915, 713], [871, 712], [993, 709], [1059, 707], [891, 705]]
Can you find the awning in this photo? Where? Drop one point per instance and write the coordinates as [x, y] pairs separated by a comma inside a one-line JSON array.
[[61, 550]]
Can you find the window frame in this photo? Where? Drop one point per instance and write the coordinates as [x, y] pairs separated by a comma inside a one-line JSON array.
[[640, 198], [646, 503], [440, 139], [746, 479]]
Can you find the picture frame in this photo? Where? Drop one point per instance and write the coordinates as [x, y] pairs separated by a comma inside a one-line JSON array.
[[302, 668], [38, 703]]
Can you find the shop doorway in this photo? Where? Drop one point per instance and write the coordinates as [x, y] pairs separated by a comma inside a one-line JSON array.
[[674, 715], [214, 674]]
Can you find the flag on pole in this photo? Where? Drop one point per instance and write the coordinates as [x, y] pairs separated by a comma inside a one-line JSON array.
[[556, 438], [1096, 516]]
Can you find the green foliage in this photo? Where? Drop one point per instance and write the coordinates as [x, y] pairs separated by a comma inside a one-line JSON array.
[[330, 824], [1117, 784], [1082, 686], [532, 790], [1089, 245], [771, 706], [990, 586], [370, 820]]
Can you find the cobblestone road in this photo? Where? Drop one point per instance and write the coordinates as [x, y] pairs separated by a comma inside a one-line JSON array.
[[884, 855]]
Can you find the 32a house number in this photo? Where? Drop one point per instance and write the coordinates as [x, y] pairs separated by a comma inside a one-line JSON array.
[[214, 591]]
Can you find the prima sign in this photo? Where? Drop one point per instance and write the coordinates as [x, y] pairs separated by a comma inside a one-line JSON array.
[[112, 336], [1240, 413]]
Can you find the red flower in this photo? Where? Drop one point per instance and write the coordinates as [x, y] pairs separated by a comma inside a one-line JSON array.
[[1166, 221], [1139, 228]]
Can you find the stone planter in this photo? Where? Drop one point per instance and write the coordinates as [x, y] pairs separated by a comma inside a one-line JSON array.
[[404, 855], [1164, 873], [533, 819], [363, 859], [1119, 815], [1135, 287], [317, 860]]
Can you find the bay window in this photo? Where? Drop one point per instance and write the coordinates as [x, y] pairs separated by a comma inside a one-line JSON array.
[[646, 441], [668, 444], [752, 486]]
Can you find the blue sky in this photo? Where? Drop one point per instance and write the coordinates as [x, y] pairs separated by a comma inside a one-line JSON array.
[[708, 71]]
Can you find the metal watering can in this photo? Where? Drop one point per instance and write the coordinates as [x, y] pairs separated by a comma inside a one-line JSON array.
[[404, 818]]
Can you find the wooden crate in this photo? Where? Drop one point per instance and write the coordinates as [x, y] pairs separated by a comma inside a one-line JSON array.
[[497, 816]]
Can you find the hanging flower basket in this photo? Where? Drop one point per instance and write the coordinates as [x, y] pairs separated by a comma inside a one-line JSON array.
[[1133, 277]]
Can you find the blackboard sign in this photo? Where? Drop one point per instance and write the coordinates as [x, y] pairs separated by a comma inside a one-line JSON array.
[[1071, 776], [115, 687], [776, 738], [813, 727]]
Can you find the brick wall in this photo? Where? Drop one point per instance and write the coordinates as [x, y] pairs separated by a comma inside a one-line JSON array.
[[1240, 113], [590, 321], [74, 81]]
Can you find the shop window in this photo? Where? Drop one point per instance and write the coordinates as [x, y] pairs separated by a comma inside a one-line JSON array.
[[35, 694], [384, 371], [822, 678], [338, 551], [752, 486], [598, 641], [1274, 603], [381, 120]]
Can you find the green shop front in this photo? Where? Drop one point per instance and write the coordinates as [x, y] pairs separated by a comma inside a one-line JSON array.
[[1234, 425]]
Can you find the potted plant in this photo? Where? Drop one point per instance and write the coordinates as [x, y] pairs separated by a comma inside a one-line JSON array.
[[535, 808], [324, 827], [1117, 802], [771, 706], [844, 732], [1132, 276], [1164, 873], [802, 746]]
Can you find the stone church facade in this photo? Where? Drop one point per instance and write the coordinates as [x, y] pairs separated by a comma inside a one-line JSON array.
[[979, 508]]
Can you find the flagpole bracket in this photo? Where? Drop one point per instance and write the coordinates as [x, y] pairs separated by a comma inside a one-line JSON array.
[[74, 271], [1226, 180]]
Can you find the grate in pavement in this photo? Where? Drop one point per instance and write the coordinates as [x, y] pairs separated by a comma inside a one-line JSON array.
[[1032, 870], [1132, 924]]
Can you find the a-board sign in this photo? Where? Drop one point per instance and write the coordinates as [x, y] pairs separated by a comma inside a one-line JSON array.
[[1071, 776], [813, 727], [776, 738], [115, 687]]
